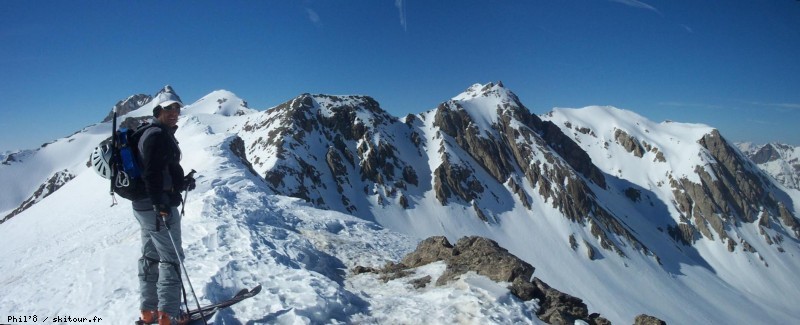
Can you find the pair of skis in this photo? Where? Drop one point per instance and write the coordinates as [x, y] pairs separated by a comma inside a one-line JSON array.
[[196, 316]]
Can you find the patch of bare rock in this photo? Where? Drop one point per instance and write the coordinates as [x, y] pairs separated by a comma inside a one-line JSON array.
[[485, 257]]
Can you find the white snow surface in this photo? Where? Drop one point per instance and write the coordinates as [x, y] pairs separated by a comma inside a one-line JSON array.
[[74, 255]]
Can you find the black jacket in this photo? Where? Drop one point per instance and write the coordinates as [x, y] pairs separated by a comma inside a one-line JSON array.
[[161, 169]]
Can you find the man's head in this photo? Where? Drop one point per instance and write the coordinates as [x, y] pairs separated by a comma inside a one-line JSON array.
[[167, 112]]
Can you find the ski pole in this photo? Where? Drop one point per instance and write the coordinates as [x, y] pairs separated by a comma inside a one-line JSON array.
[[186, 195], [183, 267]]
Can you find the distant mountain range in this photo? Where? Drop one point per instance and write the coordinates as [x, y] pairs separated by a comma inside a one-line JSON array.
[[632, 216], [781, 161]]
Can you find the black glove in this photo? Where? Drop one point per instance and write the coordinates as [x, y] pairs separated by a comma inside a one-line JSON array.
[[162, 209], [189, 182]]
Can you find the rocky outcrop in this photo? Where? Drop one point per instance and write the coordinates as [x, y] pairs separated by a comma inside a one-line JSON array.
[[455, 180], [730, 191], [135, 102], [485, 148], [485, 257], [767, 153], [128, 105], [570, 151], [648, 320], [49, 186], [237, 148], [630, 143], [557, 307]]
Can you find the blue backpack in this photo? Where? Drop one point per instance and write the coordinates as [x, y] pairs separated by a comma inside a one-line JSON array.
[[120, 162]]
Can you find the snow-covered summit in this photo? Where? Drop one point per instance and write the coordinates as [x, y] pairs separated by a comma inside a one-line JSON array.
[[486, 103], [220, 102]]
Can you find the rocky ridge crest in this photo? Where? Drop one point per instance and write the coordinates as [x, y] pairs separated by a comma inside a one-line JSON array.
[[485, 257], [480, 150]]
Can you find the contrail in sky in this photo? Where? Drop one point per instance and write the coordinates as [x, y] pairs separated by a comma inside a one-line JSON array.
[[402, 9], [637, 4]]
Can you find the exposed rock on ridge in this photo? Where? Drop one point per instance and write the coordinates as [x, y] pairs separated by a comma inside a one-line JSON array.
[[128, 105], [731, 191], [48, 187], [345, 153], [321, 147], [485, 257], [518, 144], [311, 146]]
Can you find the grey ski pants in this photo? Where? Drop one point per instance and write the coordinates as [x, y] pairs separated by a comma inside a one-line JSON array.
[[159, 268]]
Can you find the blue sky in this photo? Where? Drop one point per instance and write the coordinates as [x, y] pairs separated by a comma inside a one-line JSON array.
[[731, 64]]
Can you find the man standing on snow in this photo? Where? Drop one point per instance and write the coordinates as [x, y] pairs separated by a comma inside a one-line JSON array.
[[159, 268]]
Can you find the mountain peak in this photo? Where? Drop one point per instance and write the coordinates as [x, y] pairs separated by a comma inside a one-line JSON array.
[[220, 102], [488, 90], [128, 105], [167, 93]]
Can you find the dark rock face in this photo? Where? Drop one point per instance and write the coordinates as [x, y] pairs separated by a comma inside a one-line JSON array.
[[455, 180], [569, 150], [454, 121], [498, 152], [766, 154], [48, 187], [731, 191]]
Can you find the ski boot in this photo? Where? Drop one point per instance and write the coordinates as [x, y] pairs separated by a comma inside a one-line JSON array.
[[147, 317], [166, 319]]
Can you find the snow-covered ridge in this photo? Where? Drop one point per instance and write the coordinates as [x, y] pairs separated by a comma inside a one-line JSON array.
[[376, 176], [677, 141], [221, 102], [481, 102]]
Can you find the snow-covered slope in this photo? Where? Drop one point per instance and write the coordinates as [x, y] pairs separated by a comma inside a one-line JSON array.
[[630, 193], [685, 179], [81, 260], [608, 207]]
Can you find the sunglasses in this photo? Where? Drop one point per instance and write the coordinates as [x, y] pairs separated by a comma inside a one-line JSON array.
[[173, 107]]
